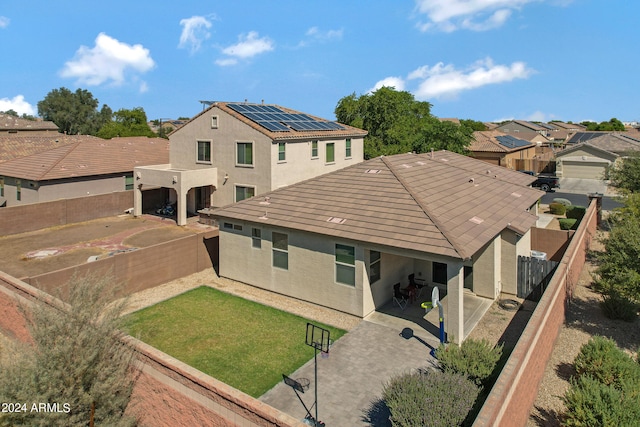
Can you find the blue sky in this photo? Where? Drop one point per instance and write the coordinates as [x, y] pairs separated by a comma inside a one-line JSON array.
[[485, 60]]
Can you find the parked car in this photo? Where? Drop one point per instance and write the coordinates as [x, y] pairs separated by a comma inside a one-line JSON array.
[[545, 182]]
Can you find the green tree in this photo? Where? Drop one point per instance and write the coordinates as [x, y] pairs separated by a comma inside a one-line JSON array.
[[73, 112], [127, 123], [610, 126], [625, 174], [397, 123], [474, 125], [77, 360]]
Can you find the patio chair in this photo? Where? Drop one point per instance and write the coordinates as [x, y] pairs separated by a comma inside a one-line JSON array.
[[399, 297], [417, 284]]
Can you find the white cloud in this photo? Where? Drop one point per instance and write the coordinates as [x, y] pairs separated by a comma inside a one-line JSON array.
[[4, 22], [476, 15], [315, 33], [248, 46], [539, 116], [144, 87], [107, 61], [17, 104], [395, 82], [445, 81], [194, 32]]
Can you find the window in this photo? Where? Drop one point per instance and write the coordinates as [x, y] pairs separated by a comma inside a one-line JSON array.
[[204, 152], [237, 227], [18, 189], [374, 266], [314, 149], [345, 264], [128, 182], [256, 238], [282, 154], [280, 249], [244, 153], [1, 186], [214, 122], [228, 225], [347, 151], [331, 153], [439, 274], [244, 192]]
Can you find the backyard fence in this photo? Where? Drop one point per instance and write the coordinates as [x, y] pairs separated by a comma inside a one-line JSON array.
[[534, 276]]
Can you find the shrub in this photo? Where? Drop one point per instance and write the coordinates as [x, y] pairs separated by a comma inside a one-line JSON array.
[[591, 403], [474, 358], [430, 398], [557, 208], [562, 201], [602, 360], [615, 306], [568, 223], [576, 212]]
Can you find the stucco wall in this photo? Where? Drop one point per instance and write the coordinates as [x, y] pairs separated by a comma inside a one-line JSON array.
[[487, 265], [311, 272]]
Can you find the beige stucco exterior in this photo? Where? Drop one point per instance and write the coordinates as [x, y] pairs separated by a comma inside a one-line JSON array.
[[311, 273], [45, 191], [584, 162], [223, 174]]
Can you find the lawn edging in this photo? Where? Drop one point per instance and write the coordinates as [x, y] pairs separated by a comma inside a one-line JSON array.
[[515, 390]]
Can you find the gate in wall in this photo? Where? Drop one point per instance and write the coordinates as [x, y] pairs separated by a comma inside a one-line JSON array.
[[533, 276]]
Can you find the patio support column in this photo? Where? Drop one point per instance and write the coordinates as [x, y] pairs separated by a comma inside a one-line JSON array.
[[181, 206], [454, 321], [137, 200]]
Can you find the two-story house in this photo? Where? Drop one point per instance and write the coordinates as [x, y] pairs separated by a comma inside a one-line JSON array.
[[234, 151]]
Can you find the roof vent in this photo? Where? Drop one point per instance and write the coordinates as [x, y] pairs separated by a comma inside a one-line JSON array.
[[265, 216], [420, 163], [514, 194], [471, 180], [445, 160], [406, 166], [266, 201], [372, 171], [476, 220], [336, 220]]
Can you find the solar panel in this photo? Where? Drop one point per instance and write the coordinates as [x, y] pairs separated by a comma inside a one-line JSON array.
[[512, 142], [274, 119]]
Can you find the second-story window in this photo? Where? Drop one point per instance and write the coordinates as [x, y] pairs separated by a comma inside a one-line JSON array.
[[314, 149], [330, 152], [244, 153], [18, 189], [282, 153], [204, 152], [347, 152]]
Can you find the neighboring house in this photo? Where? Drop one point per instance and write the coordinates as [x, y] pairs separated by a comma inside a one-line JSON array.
[[590, 159], [582, 137], [569, 127], [16, 126], [233, 151], [516, 126], [343, 239], [88, 166], [14, 146], [498, 148]]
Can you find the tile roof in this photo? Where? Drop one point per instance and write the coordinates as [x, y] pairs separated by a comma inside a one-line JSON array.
[[494, 141], [347, 131], [18, 145], [614, 143], [89, 156], [444, 203], [9, 123]]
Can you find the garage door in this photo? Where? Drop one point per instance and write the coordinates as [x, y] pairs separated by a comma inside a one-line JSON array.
[[583, 169]]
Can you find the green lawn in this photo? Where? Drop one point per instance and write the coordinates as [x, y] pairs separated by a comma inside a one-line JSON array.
[[242, 343]]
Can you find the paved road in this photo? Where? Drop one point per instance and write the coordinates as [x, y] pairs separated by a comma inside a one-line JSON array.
[[608, 203]]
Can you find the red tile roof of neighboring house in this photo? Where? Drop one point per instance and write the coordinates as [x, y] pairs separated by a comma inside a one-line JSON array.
[[486, 141], [89, 156], [442, 203], [14, 146], [12, 123]]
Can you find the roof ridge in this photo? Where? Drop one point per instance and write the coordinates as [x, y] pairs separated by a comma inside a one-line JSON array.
[[453, 242]]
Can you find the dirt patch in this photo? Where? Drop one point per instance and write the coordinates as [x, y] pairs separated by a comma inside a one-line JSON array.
[[69, 245]]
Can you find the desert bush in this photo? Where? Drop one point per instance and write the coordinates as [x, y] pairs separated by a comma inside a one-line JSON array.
[[590, 403], [568, 223], [557, 208], [615, 306], [562, 201], [429, 398], [606, 388], [576, 212], [475, 359], [77, 359]]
